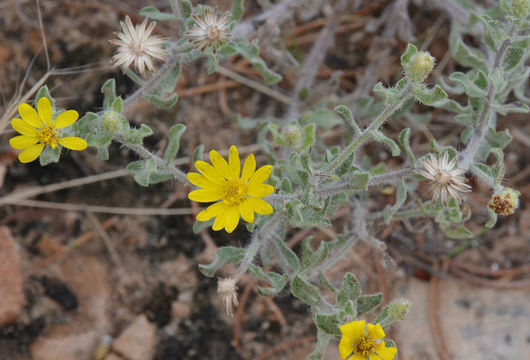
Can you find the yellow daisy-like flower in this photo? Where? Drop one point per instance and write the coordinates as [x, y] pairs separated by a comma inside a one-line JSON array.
[[38, 130], [362, 341], [235, 195]]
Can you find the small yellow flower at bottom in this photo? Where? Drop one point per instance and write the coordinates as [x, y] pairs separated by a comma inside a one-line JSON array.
[[38, 130], [362, 341], [236, 191]]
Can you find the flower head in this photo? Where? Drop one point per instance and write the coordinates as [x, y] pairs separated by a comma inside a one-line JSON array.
[[505, 202], [227, 289], [137, 45], [420, 66], [362, 341], [211, 30], [38, 130], [445, 178], [236, 191]]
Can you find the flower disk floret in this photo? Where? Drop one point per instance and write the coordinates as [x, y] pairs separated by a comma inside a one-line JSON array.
[[362, 341], [237, 192], [38, 130]]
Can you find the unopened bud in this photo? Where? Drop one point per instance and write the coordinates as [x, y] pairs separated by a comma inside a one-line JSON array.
[[420, 66], [111, 122], [292, 134], [398, 309], [505, 202], [227, 289]]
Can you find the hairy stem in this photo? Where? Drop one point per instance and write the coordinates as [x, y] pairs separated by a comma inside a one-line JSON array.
[[365, 135], [262, 235], [467, 157]]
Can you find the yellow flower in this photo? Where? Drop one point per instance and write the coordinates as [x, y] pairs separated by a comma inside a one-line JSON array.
[[235, 195], [361, 341], [38, 130]]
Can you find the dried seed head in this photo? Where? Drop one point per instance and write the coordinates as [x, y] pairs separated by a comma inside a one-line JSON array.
[[505, 202], [137, 45], [445, 178], [210, 30], [420, 66], [227, 289]]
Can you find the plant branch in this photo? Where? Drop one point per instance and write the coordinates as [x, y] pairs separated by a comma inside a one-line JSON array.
[[467, 157]]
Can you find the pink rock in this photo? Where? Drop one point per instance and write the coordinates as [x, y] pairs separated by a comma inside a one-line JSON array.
[[138, 341], [12, 298]]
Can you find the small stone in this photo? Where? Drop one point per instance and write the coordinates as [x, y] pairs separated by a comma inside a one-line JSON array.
[[138, 341], [12, 297], [180, 310]]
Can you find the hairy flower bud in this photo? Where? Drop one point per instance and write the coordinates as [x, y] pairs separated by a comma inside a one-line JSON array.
[[398, 309], [227, 289], [420, 66], [111, 122], [292, 134], [505, 202]]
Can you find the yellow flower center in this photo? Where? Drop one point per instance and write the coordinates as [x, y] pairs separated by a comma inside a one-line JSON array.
[[234, 193], [365, 346], [48, 136]]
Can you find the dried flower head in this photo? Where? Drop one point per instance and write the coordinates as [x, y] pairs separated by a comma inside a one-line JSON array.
[[445, 178], [227, 289], [210, 30], [137, 45], [505, 202]]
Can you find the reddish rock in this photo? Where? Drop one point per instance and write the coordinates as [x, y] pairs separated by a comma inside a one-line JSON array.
[[12, 298], [138, 341]]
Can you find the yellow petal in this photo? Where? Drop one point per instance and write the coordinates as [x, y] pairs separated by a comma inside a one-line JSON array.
[[232, 218], [260, 190], [260, 206], [260, 175], [384, 353], [220, 164], [211, 211], [66, 118], [29, 115], [248, 168], [45, 111], [219, 222], [73, 143], [201, 181], [23, 141], [210, 172], [23, 127], [246, 211], [234, 162], [375, 331], [204, 195], [30, 153], [354, 329], [346, 349]]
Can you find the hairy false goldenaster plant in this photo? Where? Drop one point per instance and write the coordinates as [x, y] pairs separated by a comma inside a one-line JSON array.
[[38, 130], [313, 176], [237, 192]]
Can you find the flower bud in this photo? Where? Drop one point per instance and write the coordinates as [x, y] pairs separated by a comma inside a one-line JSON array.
[[111, 122], [505, 202], [420, 66], [398, 309], [292, 135]]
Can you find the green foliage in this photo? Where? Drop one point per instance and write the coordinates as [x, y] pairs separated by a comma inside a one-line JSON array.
[[153, 13], [224, 255]]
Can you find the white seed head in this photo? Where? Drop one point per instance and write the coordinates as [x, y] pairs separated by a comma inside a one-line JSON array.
[[210, 30], [445, 178], [137, 45], [227, 289]]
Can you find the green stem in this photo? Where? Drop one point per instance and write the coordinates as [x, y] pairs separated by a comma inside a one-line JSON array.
[[378, 122]]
